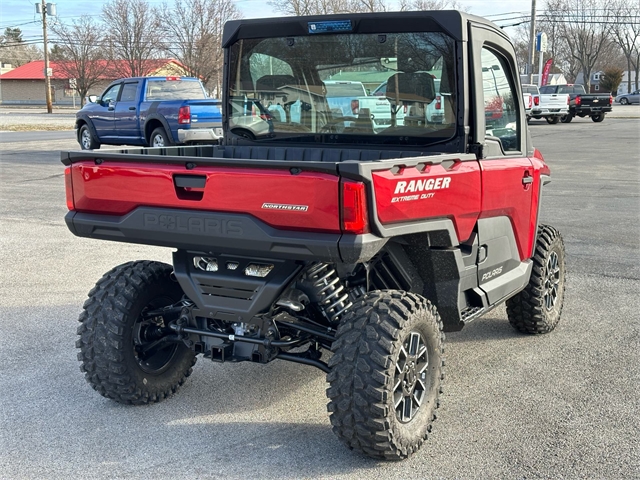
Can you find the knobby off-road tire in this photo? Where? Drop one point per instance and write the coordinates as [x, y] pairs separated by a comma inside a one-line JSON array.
[[388, 337], [537, 309], [111, 326]]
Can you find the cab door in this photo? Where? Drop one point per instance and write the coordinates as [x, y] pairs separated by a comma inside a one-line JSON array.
[[103, 113], [126, 118], [507, 221]]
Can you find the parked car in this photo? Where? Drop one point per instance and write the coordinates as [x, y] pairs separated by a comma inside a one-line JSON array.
[[548, 105], [149, 111], [627, 98], [581, 103]]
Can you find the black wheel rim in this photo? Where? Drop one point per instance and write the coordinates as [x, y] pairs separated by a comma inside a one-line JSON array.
[[410, 380], [552, 281], [152, 354]]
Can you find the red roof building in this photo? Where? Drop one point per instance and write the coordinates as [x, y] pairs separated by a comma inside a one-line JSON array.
[[25, 85]]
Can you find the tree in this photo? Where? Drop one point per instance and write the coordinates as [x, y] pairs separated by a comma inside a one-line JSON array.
[[14, 50], [611, 79], [78, 52], [626, 32], [584, 26], [133, 35], [193, 32]]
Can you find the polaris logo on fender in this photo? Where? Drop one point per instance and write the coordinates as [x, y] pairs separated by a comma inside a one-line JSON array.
[[422, 185], [192, 224]]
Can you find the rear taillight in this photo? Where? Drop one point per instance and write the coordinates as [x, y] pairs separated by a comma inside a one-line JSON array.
[[68, 188], [578, 100], [184, 115], [568, 100], [354, 208], [438, 102], [610, 99], [405, 109], [266, 117], [530, 101], [536, 100], [355, 107]]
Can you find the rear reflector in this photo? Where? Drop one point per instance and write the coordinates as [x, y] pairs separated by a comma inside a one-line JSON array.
[[354, 208], [184, 115], [68, 188]]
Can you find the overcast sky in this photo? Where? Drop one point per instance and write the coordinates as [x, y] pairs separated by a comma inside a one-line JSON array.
[[21, 13]]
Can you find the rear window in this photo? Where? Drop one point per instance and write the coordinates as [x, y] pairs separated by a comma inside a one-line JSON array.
[[345, 89], [174, 90], [530, 89]]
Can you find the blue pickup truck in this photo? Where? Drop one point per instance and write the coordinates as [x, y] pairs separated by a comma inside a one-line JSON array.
[[150, 111]]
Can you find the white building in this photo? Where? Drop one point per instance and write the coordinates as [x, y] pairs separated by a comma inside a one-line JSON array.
[[623, 88]]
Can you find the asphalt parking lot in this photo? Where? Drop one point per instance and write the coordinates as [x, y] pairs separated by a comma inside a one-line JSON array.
[[563, 405]]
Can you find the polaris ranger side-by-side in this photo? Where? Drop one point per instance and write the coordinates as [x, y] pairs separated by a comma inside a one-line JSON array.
[[320, 240]]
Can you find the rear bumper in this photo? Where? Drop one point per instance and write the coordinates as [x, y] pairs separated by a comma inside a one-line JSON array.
[[199, 135], [550, 112], [222, 233], [584, 111]]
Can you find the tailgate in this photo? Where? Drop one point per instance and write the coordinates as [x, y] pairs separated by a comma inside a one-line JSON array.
[[305, 201], [205, 113], [554, 100], [594, 101]]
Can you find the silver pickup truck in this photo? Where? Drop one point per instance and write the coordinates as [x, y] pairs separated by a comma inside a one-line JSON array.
[[551, 106]]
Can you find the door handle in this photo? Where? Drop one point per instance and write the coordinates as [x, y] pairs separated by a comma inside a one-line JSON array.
[[132, 108], [527, 178], [110, 108]]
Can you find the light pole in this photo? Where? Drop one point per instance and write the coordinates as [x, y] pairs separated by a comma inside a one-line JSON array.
[[46, 9], [532, 41]]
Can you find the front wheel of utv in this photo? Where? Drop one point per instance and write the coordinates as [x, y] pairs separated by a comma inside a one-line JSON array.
[[386, 374], [113, 335], [538, 307]]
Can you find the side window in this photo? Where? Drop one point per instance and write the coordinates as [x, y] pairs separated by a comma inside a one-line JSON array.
[[500, 101], [111, 95], [129, 92]]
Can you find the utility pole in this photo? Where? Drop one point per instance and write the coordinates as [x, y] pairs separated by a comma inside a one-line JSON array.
[[47, 80], [532, 41]]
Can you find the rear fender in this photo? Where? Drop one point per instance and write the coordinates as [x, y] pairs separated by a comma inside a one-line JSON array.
[[149, 127]]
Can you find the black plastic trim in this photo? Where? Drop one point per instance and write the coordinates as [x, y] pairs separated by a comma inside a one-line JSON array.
[[206, 231]]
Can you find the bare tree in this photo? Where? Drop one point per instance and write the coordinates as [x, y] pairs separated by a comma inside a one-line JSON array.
[[584, 26], [14, 50], [435, 5], [192, 30], [133, 35], [79, 53], [626, 32]]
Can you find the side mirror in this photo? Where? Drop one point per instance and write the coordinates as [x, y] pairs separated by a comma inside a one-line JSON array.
[[92, 98]]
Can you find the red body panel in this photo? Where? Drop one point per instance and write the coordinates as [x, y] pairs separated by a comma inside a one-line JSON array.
[[457, 198], [504, 194], [118, 188]]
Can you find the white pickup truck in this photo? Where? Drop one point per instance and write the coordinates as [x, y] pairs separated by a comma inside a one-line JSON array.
[[550, 106]]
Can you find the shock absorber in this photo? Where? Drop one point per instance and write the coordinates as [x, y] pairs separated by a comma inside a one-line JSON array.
[[328, 290]]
